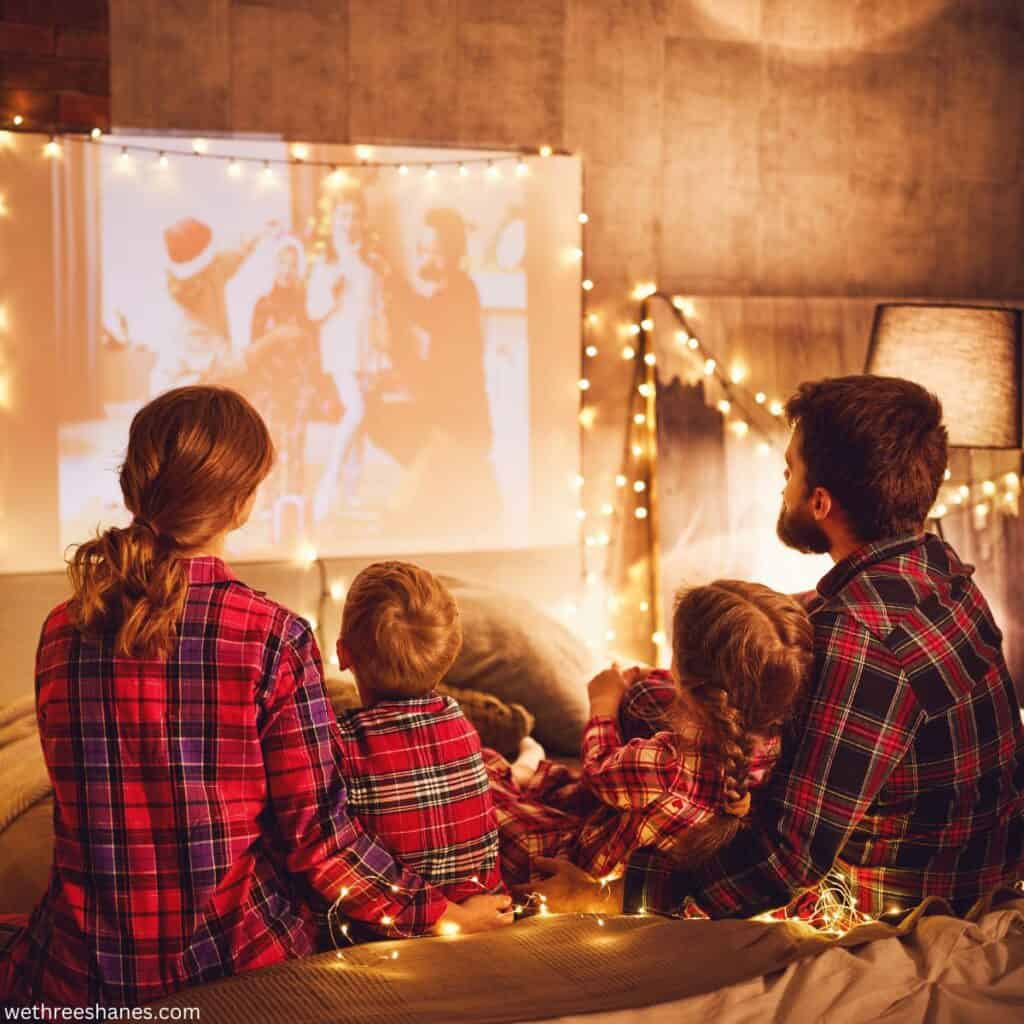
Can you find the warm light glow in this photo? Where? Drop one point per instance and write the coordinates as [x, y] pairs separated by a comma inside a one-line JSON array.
[[337, 590], [650, 359], [5, 391], [581, 514], [96, 133], [450, 929], [760, 398], [124, 160], [645, 389], [639, 486], [522, 168], [658, 638], [709, 367], [1012, 482], [307, 555], [583, 218], [312, 620], [633, 329], [4, 322], [587, 284], [647, 323], [18, 120], [394, 954], [335, 660], [776, 408], [268, 171], [965, 491], [587, 416], [737, 374], [199, 146], [607, 509], [593, 319], [591, 351], [947, 475], [694, 344], [644, 290], [988, 488], [583, 384], [162, 161], [364, 153], [403, 168], [387, 920], [336, 178], [645, 606], [740, 428], [492, 170], [724, 406], [546, 151], [52, 148], [641, 513], [939, 511], [682, 337], [628, 352], [639, 418], [463, 170], [235, 169], [764, 448], [576, 254], [638, 450], [620, 480], [578, 481], [431, 172]]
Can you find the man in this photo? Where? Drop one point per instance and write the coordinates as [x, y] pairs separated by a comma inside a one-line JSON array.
[[905, 770]]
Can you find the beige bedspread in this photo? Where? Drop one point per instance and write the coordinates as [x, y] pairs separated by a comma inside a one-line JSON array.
[[651, 970], [22, 769]]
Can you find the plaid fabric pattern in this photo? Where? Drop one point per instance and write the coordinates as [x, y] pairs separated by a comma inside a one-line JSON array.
[[417, 783], [906, 771], [644, 792], [199, 803]]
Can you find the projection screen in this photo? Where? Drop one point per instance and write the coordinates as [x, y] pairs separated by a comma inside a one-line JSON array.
[[410, 334]]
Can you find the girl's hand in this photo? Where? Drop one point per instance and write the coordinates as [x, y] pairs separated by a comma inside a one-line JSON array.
[[477, 914], [606, 690], [636, 673]]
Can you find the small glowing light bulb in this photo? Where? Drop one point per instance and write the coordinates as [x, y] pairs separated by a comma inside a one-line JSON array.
[[682, 337], [641, 513], [724, 406], [522, 168], [639, 486], [463, 170], [639, 418], [339, 955], [760, 398], [199, 146], [740, 428], [403, 169], [576, 254], [583, 218], [637, 450], [592, 319], [947, 475], [431, 171], [628, 352], [600, 922], [965, 491], [344, 893], [52, 148], [693, 344], [587, 284], [633, 329], [363, 153], [307, 554], [387, 920], [620, 480], [300, 151], [337, 590], [268, 171], [709, 367], [939, 511], [18, 120], [583, 384], [738, 374], [645, 606], [606, 509], [581, 514], [988, 488], [546, 151], [650, 359], [492, 169], [764, 448], [776, 408], [450, 928], [645, 389], [647, 323], [162, 161], [96, 133], [235, 168], [587, 416], [591, 351], [394, 954]]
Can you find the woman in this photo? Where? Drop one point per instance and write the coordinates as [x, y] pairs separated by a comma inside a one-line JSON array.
[[199, 816], [345, 298]]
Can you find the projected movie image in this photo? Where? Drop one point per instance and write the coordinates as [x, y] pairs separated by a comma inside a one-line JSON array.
[[395, 328]]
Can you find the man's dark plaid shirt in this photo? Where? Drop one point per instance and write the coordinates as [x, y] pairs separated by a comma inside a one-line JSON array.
[[905, 769]]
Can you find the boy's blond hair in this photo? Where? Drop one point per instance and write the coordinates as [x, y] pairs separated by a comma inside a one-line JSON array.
[[400, 628]]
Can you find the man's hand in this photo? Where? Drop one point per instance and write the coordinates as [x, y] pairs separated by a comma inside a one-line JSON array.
[[477, 914], [570, 890], [606, 690]]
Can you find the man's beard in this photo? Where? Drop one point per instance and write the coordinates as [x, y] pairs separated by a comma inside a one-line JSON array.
[[797, 529]]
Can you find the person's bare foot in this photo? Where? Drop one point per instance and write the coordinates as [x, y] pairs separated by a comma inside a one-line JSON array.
[[531, 753]]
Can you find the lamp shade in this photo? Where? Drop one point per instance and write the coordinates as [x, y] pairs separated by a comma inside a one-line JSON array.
[[969, 356]]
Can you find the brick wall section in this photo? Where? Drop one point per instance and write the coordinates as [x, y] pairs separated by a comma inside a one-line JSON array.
[[55, 64]]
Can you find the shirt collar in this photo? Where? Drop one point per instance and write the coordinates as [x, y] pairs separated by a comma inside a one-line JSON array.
[[208, 569], [878, 551]]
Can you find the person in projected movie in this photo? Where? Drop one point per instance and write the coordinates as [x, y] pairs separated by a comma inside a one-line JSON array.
[[450, 317], [345, 300]]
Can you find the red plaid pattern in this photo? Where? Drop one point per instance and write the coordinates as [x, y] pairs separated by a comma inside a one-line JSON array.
[[645, 792], [199, 803], [906, 770], [417, 783]]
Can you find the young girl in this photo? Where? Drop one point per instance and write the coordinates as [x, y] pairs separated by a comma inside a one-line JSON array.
[[669, 760]]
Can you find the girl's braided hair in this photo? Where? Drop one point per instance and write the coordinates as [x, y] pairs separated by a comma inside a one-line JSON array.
[[742, 653]]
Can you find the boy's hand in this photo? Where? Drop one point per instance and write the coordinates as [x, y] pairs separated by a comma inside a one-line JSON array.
[[636, 673], [477, 914], [570, 890], [606, 690]]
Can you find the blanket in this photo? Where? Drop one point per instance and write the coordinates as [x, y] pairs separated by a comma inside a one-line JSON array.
[[22, 768], [548, 968]]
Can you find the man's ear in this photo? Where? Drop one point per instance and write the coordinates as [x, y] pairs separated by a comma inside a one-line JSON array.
[[821, 503], [344, 661]]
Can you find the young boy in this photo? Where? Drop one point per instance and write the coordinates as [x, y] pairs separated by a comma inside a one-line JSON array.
[[415, 774]]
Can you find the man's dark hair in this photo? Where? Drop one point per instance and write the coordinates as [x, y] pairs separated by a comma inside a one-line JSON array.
[[877, 445]]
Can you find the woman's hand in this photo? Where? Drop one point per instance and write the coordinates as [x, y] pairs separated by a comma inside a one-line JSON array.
[[606, 690], [570, 890], [477, 914]]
